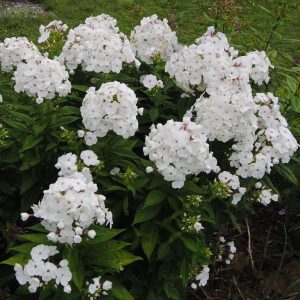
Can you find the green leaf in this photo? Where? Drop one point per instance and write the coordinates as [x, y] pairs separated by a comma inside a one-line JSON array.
[[191, 187], [265, 10], [75, 265], [149, 238], [106, 257], [17, 259], [38, 238], [119, 291], [38, 227], [171, 291], [267, 180], [184, 271], [24, 248], [145, 214], [154, 197], [29, 178], [65, 120], [15, 124], [23, 117], [80, 87], [154, 113], [163, 250], [103, 234], [292, 84], [233, 220], [31, 141], [125, 152], [287, 173], [189, 243]]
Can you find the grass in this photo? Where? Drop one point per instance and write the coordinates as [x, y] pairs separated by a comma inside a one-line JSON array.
[[190, 18]]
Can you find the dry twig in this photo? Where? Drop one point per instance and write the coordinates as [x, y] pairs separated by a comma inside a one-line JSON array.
[[250, 245]]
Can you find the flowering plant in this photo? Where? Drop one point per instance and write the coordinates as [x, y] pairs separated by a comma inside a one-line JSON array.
[[157, 146]]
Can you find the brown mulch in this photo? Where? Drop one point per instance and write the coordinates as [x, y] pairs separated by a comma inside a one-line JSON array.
[[255, 272]]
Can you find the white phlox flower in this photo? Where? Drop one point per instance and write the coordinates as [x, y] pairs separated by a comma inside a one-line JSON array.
[[202, 277], [39, 270], [179, 149], [97, 46], [46, 30], [233, 183], [112, 107], [71, 204], [271, 143], [95, 288], [89, 158], [153, 37], [42, 78], [16, 50], [150, 82]]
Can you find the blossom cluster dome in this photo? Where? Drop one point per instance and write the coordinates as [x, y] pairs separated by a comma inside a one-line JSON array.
[[16, 50], [212, 65], [153, 37], [42, 78], [179, 149], [97, 46], [232, 116], [203, 64], [112, 107], [39, 271], [46, 30], [271, 143], [71, 204]]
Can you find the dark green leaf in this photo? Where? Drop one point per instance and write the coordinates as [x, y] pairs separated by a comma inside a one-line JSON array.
[[119, 291], [145, 214], [149, 237], [75, 265], [154, 197]]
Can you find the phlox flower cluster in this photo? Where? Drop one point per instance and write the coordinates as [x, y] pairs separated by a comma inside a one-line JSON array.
[[39, 270], [112, 107], [213, 65], [150, 82], [233, 183], [271, 143], [202, 64], [264, 195], [96, 289], [254, 65], [191, 223], [97, 46], [232, 116], [71, 204], [231, 250], [42, 78], [179, 149], [202, 277], [46, 30], [16, 50], [153, 37]]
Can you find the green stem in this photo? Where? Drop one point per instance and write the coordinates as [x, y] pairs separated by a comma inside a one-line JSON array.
[[275, 26]]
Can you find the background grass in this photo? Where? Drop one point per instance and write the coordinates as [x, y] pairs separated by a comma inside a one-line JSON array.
[[190, 17]]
